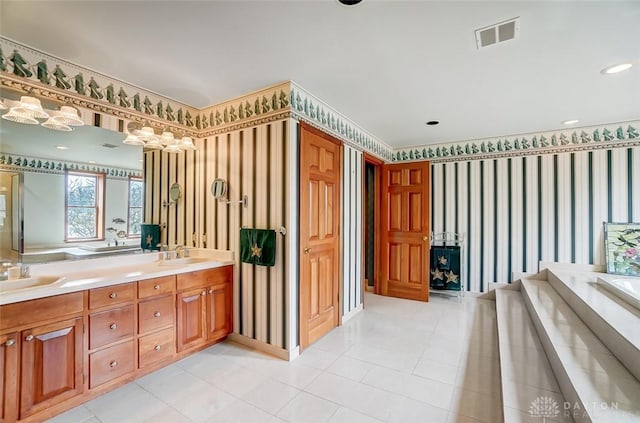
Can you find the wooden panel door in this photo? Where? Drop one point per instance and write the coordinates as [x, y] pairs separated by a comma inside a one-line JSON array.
[[319, 234], [219, 311], [404, 252], [51, 365], [190, 311], [9, 364]]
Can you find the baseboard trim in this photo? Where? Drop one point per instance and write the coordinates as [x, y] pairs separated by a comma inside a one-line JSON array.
[[261, 346], [352, 313]]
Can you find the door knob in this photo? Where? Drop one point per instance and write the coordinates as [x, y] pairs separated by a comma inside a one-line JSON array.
[[29, 338], [10, 342], [306, 250], [425, 238]]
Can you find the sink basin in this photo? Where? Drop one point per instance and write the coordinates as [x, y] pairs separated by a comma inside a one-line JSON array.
[[183, 261], [24, 283], [89, 247]]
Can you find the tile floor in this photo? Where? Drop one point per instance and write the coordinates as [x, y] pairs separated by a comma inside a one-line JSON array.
[[396, 361]]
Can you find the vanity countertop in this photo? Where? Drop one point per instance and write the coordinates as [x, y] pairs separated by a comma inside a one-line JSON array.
[[62, 277]]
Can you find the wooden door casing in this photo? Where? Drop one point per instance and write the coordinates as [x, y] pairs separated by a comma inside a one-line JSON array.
[[52, 365], [404, 252], [319, 234], [9, 365]]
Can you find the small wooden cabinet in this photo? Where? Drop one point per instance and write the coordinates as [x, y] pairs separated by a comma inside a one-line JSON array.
[[204, 307], [9, 360], [51, 368], [41, 354]]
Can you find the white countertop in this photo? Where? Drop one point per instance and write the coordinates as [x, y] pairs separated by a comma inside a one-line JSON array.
[[78, 275]]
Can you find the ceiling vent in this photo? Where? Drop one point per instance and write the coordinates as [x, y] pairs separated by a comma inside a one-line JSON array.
[[106, 145], [498, 33]]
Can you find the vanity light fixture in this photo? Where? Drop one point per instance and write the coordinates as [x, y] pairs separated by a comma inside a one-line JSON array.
[[570, 121], [609, 70], [62, 147]]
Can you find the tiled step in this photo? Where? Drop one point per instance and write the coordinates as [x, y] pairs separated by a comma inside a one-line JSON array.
[[597, 387], [615, 322], [526, 374]]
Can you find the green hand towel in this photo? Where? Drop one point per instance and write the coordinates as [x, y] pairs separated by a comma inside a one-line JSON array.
[[258, 246]]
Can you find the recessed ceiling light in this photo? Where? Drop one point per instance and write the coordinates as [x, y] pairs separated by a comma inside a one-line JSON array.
[[62, 147], [616, 68], [570, 121], [433, 122]]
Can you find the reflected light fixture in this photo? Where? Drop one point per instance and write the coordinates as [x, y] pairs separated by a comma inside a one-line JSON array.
[[616, 68], [29, 109], [146, 137]]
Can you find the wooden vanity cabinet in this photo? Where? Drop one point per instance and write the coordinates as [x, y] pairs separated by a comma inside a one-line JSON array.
[[204, 307], [58, 352]]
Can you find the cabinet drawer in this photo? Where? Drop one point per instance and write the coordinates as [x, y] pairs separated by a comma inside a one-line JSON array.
[[110, 295], [28, 312], [156, 347], [111, 363], [155, 314], [156, 286], [202, 278], [110, 326]]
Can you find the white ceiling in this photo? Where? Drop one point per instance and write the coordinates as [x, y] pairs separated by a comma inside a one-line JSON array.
[[390, 65]]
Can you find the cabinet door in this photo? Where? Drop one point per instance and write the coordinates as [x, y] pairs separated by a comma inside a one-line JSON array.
[[219, 306], [9, 354], [190, 311], [51, 365]]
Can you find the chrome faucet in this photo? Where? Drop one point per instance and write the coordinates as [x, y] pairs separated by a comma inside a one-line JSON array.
[[184, 249], [25, 271]]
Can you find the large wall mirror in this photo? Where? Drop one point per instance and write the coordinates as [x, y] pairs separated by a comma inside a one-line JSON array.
[[51, 214]]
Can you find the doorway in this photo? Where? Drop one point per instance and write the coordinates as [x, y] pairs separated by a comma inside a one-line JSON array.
[[371, 223], [11, 238]]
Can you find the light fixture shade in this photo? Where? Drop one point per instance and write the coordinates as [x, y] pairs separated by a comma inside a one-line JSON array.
[[133, 140], [167, 138], [51, 123], [17, 114], [147, 133], [33, 106], [173, 148], [153, 144], [68, 116], [186, 143]]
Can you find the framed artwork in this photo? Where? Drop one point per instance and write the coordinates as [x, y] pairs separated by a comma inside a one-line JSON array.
[[622, 248]]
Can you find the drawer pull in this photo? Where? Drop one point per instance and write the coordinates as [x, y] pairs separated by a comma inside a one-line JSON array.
[[157, 348], [156, 314], [211, 291], [156, 287], [10, 342], [113, 295], [113, 363], [113, 326], [203, 293], [29, 338]]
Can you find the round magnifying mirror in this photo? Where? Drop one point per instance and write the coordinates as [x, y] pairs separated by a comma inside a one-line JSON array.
[[175, 192], [219, 188]]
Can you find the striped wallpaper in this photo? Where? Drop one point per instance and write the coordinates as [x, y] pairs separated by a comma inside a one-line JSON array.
[[254, 161], [517, 211], [352, 230]]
